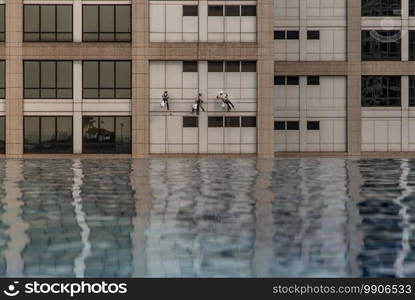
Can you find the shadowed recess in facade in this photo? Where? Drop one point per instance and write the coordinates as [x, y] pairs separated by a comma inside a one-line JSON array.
[[207, 218]]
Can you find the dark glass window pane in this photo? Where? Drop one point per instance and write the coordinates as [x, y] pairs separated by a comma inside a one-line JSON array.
[[2, 23], [381, 45], [48, 74], [123, 74], [2, 134], [106, 134], [215, 121], [411, 45], [293, 80], [47, 21], [381, 91], [412, 7], [64, 75], [190, 66], [123, 18], [248, 66], [2, 75], [123, 134], [215, 10], [90, 75], [279, 125], [90, 127], [232, 10], [90, 18], [31, 74], [48, 133], [64, 18], [31, 18], [64, 140], [313, 125], [232, 122], [232, 66], [215, 66], [190, 10], [279, 80], [106, 18], [190, 122], [31, 134], [248, 10], [248, 121], [313, 80], [381, 7], [412, 91], [293, 35], [313, 35], [279, 35], [293, 125]]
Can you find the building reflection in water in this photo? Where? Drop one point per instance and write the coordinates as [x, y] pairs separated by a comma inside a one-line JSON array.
[[207, 218]]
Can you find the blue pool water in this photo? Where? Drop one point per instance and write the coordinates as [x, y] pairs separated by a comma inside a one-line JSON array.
[[207, 218]]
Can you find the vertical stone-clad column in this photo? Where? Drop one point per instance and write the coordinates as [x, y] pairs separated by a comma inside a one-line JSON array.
[[265, 75], [354, 122], [77, 106], [140, 79], [14, 78]]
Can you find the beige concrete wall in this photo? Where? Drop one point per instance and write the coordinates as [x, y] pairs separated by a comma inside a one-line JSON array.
[[14, 78]]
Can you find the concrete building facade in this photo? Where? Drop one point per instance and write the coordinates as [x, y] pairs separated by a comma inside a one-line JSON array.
[[305, 76]]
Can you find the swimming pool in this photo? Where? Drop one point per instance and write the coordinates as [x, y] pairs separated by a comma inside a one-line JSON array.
[[207, 217]]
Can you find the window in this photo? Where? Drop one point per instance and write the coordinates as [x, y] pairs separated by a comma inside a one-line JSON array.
[[190, 11], [293, 125], [293, 35], [232, 11], [106, 134], [2, 80], [313, 80], [106, 23], [190, 122], [2, 134], [47, 79], [248, 121], [313, 35], [381, 91], [107, 79], [313, 125], [215, 66], [381, 8], [411, 45], [215, 10], [215, 121], [279, 35], [48, 134], [2, 24], [248, 66], [381, 45], [232, 66], [412, 91], [248, 10], [279, 125], [232, 122], [279, 80], [293, 80], [412, 7], [47, 23], [190, 66]]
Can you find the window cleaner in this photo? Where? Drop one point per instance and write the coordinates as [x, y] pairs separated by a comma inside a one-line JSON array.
[[228, 102], [165, 100], [221, 99], [198, 104]]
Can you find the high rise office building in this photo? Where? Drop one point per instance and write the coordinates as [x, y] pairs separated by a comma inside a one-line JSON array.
[[310, 76]]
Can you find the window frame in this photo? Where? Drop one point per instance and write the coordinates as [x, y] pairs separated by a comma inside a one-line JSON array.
[[188, 6], [377, 102], [99, 79], [40, 80], [99, 32], [3, 33], [40, 32]]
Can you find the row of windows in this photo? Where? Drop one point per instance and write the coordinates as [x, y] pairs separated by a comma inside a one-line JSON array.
[[218, 66], [50, 134], [295, 35], [295, 125], [220, 10], [52, 23], [377, 8], [217, 121], [295, 80]]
